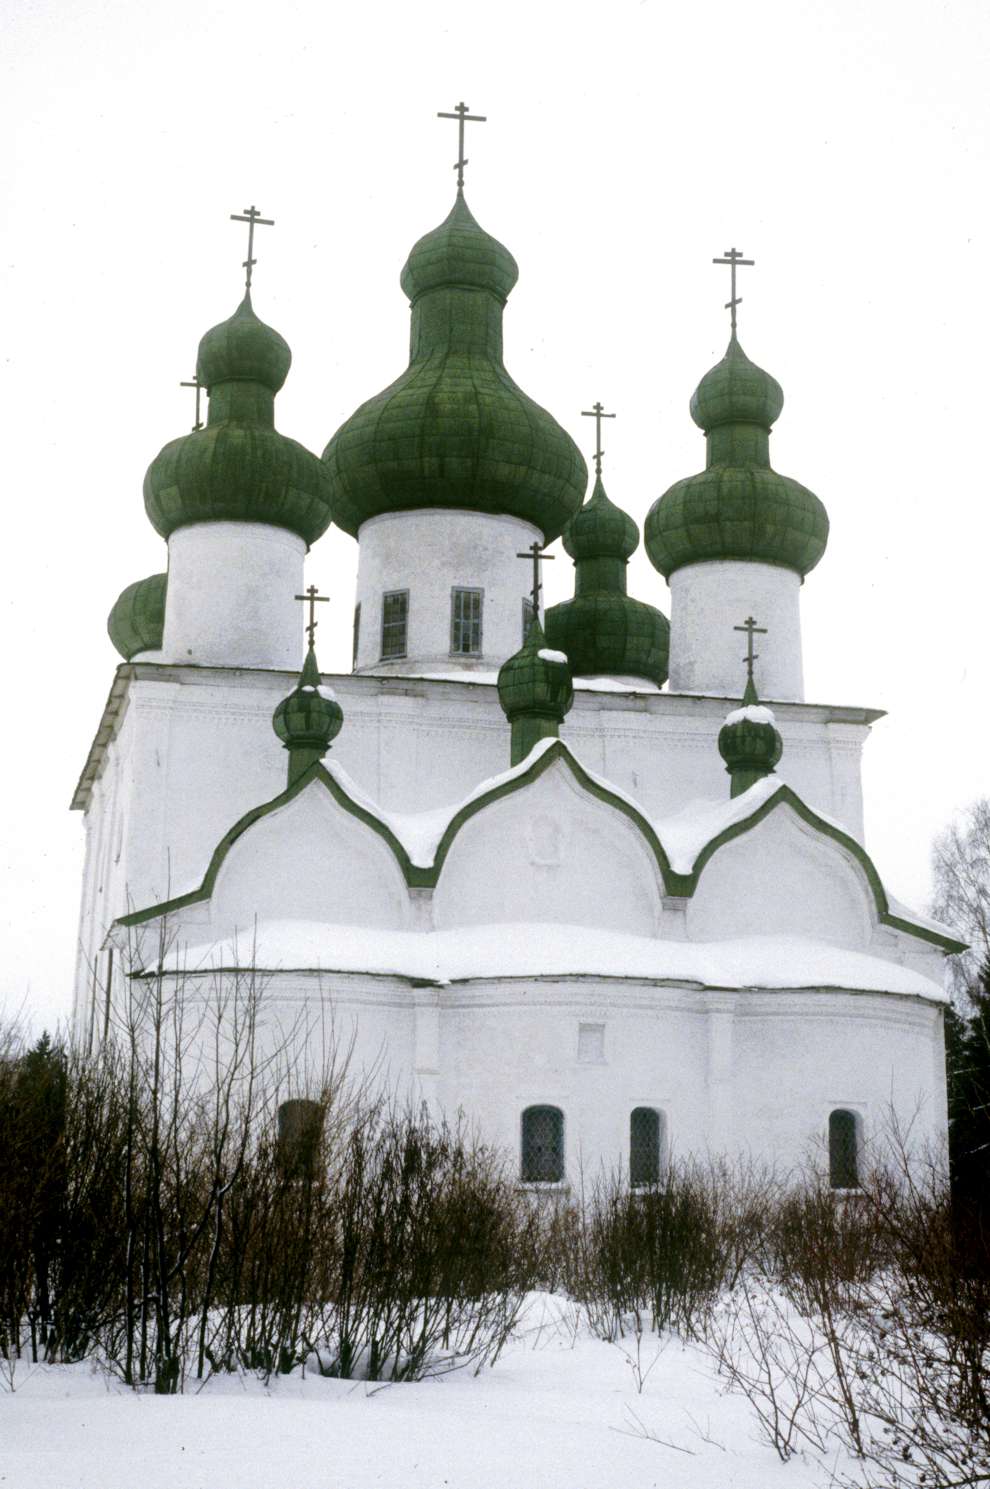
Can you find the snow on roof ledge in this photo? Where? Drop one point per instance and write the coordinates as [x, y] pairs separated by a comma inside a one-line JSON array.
[[540, 950]]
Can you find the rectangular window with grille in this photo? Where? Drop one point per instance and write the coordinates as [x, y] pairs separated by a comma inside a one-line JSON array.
[[528, 616], [465, 622], [357, 633], [395, 620]]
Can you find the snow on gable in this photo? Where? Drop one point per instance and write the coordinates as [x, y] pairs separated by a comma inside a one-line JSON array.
[[551, 853], [310, 859], [783, 877]]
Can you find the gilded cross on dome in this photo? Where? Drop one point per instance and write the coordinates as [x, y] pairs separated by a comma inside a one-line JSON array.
[[312, 597], [252, 216], [535, 554], [463, 117], [733, 257], [597, 413]]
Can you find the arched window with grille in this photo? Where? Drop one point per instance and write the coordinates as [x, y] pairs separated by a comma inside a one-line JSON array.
[[645, 1146], [843, 1149], [542, 1145]]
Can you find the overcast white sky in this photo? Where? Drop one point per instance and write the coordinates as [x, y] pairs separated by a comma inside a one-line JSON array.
[[843, 145]]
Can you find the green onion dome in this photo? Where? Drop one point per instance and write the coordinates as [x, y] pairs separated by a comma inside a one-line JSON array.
[[536, 681], [749, 742], [604, 631], [454, 430], [310, 717], [738, 507], [239, 468], [137, 620]]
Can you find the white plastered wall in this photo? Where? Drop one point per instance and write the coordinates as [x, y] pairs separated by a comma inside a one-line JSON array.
[[427, 553], [192, 750], [707, 602]]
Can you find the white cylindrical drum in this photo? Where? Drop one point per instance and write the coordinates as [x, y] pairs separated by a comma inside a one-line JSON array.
[[230, 600], [707, 602], [441, 590]]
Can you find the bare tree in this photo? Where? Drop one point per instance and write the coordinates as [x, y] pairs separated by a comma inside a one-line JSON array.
[[961, 873]]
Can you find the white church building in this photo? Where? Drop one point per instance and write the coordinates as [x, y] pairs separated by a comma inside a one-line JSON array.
[[551, 870]]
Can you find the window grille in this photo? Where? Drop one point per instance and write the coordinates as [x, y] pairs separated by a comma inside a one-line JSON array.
[[357, 633], [542, 1145], [528, 617], [843, 1150], [395, 617], [644, 1146], [465, 622]]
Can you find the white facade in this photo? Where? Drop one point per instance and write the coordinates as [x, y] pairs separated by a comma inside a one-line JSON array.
[[708, 601], [426, 555]]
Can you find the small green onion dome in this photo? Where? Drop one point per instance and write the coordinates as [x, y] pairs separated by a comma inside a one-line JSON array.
[[749, 742], [459, 252], [310, 717], [603, 630], [239, 468], [243, 349], [536, 681], [738, 508], [736, 391], [601, 529], [137, 620], [454, 430]]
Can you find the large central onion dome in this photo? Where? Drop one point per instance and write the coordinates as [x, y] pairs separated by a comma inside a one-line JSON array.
[[603, 630], [737, 508], [454, 430], [239, 468]]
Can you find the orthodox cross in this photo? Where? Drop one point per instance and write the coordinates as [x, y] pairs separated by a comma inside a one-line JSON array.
[[463, 117], [535, 553], [199, 388], [597, 413], [312, 597], [751, 629], [734, 259], [253, 218]]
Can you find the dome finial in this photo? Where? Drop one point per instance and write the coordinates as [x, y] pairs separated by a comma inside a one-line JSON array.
[[312, 598], [252, 216], [597, 413], [195, 383], [733, 257], [749, 741], [536, 554], [751, 629], [463, 117]]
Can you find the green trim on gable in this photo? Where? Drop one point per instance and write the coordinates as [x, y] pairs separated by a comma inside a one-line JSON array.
[[417, 876]]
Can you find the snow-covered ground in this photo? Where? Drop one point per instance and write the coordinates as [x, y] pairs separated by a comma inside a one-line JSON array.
[[560, 1410]]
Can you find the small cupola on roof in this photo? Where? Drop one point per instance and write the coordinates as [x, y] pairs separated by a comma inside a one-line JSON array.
[[603, 630], [749, 741], [454, 430], [136, 622], [238, 502], [535, 691], [738, 535]]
